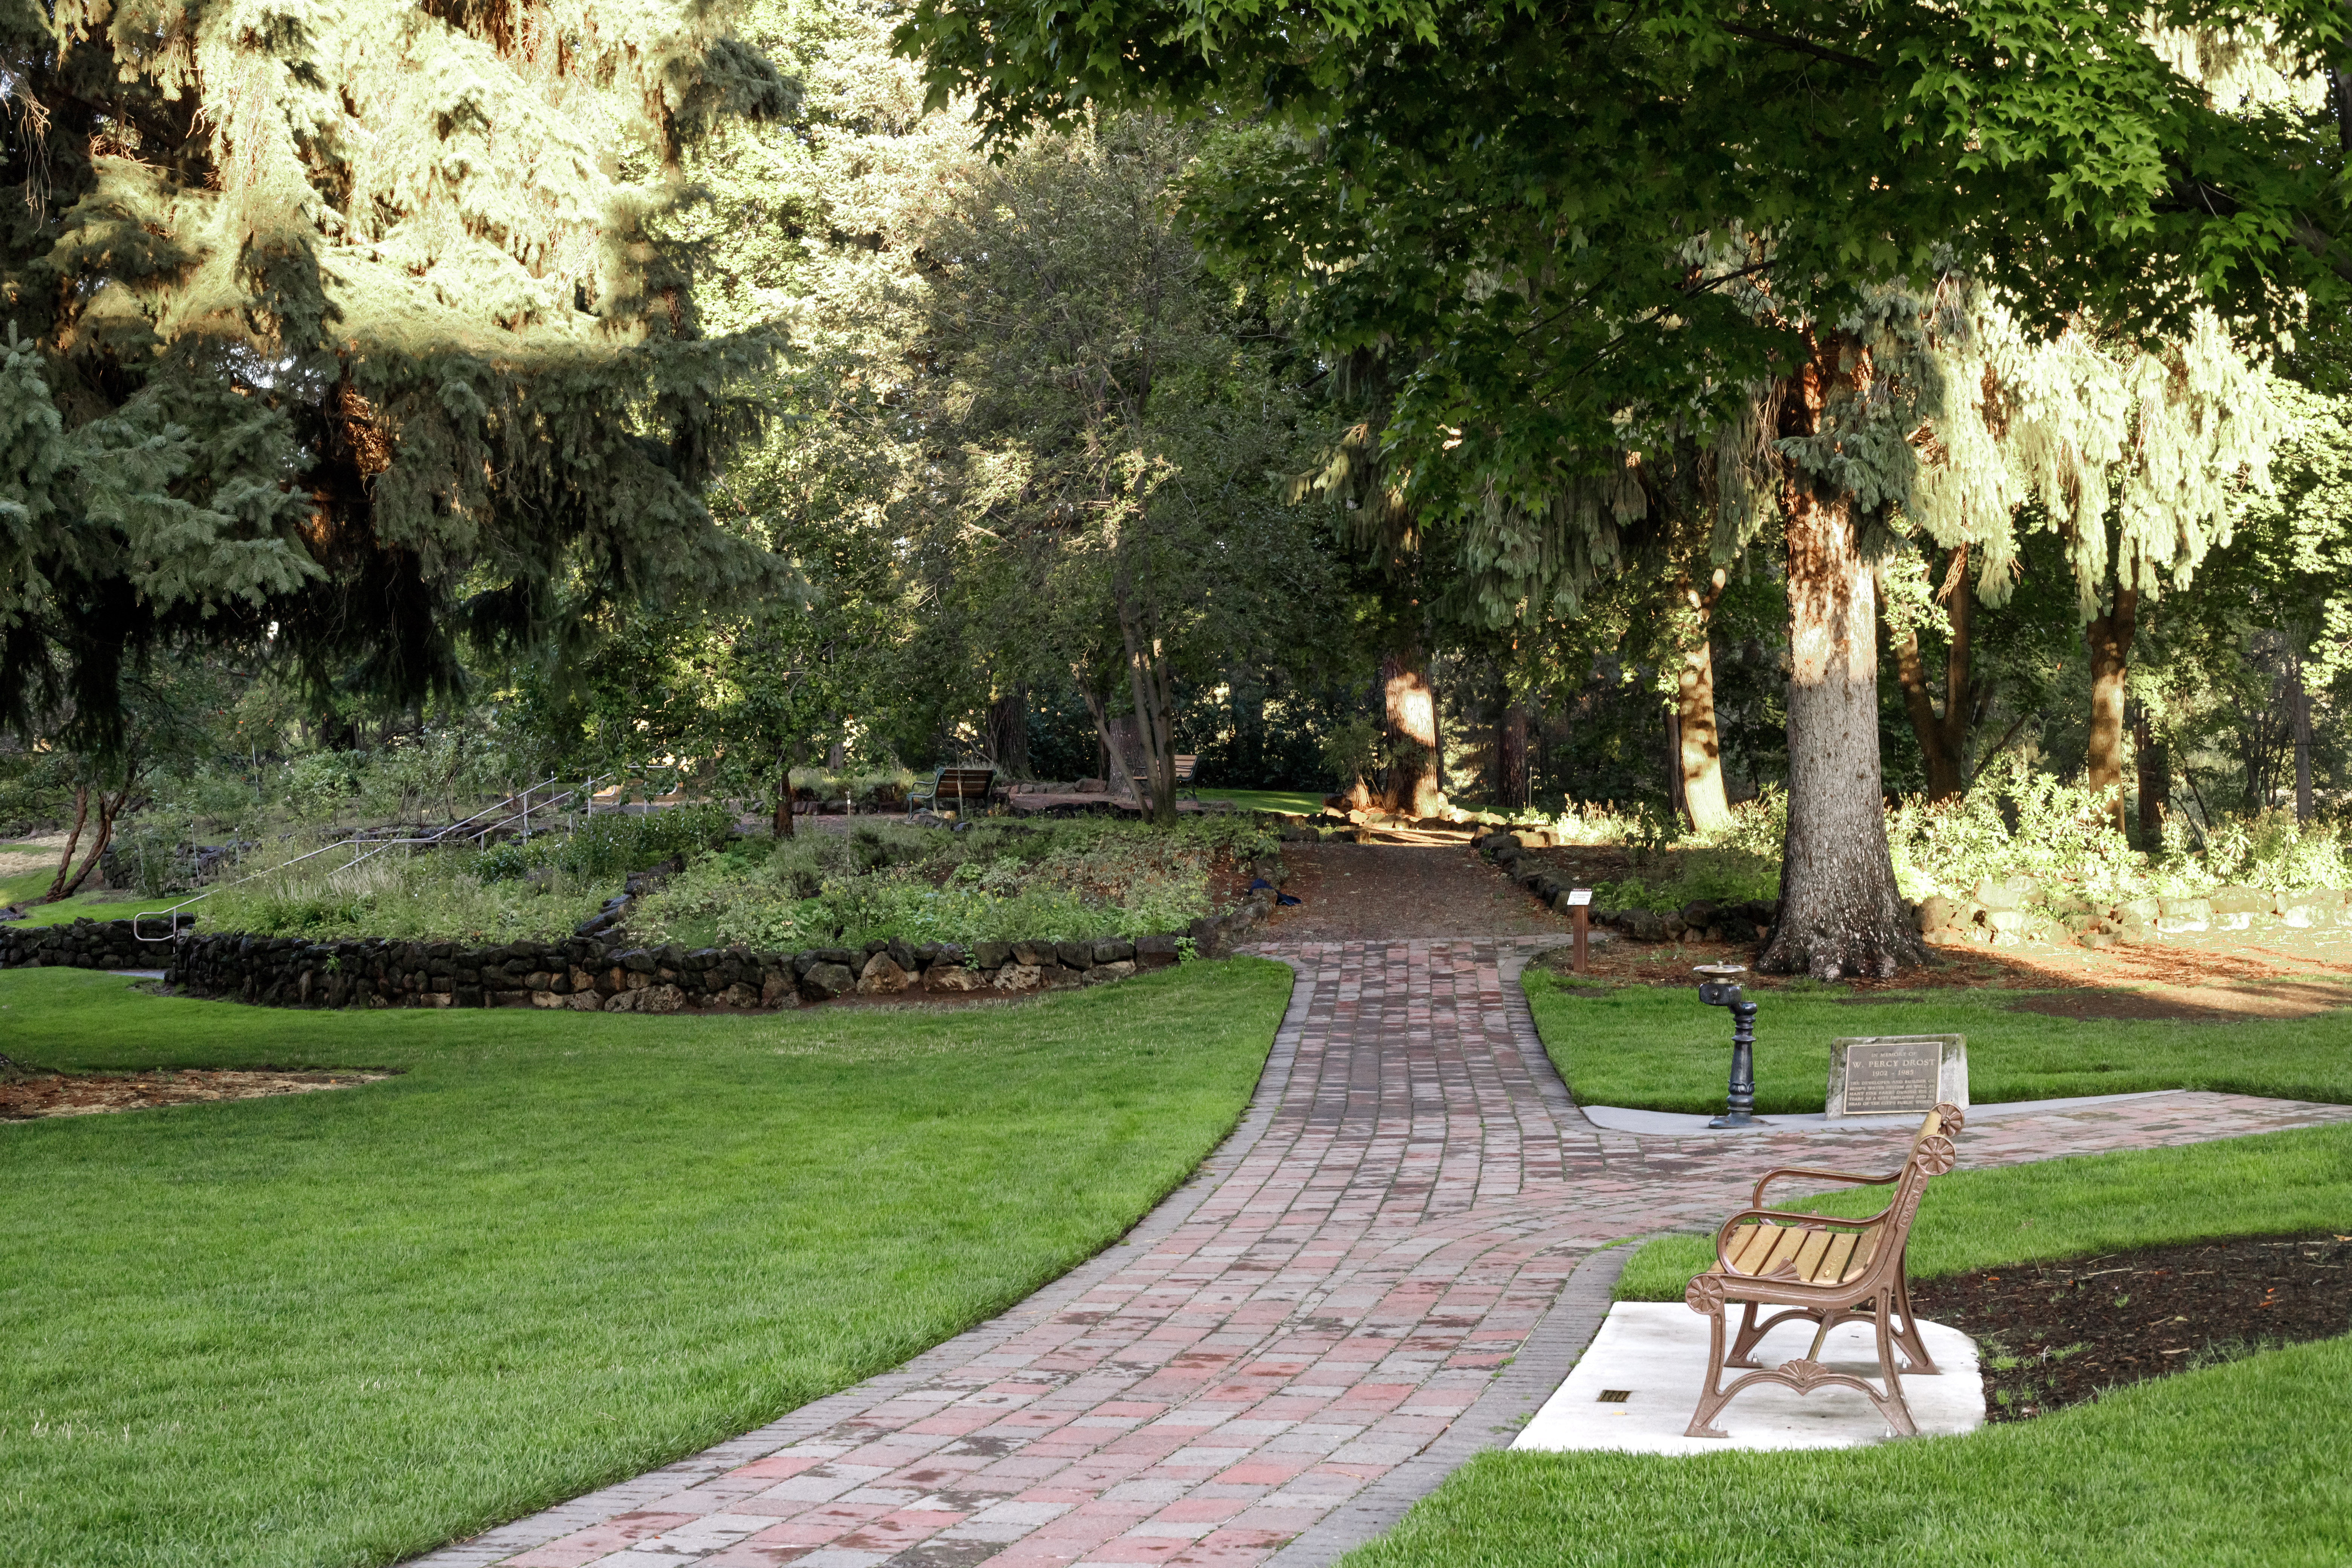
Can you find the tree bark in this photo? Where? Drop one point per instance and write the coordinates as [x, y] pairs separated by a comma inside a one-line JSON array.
[[1942, 737], [786, 809], [2110, 640], [1698, 748], [2300, 695], [65, 861], [1148, 681], [66, 886], [1511, 753], [2155, 782], [1411, 714], [1008, 732], [1840, 914]]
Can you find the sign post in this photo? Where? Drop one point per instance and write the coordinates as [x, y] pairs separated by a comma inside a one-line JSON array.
[[1580, 914]]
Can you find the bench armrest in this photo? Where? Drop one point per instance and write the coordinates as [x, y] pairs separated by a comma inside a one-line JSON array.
[[1846, 1176]]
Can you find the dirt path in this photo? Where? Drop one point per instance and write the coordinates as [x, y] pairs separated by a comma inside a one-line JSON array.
[[1358, 892]]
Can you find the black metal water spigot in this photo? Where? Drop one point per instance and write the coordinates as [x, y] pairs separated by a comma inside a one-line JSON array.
[[1718, 986]]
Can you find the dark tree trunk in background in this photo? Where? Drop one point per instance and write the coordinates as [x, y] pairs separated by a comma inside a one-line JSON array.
[[2110, 640], [1943, 737], [1411, 714], [1008, 733], [2155, 782], [1511, 758], [1153, 687], [786, 809], [1840, 914], [2300, 695]]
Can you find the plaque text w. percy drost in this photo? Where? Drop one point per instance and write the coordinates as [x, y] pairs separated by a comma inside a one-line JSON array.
[[1896, 1075]]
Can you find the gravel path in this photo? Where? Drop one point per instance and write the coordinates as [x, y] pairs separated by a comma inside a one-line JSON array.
[[1299, 1343]]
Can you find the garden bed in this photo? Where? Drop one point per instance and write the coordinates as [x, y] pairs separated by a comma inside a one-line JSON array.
[[26, 1096], [2054, 1334]]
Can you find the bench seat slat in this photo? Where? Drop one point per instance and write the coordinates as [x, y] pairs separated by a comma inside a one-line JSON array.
[[1791, 1238], [1830, 1267], [1759, 1245], [1864, 1250], [1816, 1243]]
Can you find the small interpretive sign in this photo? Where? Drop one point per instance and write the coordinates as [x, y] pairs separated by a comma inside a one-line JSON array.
[[1898, 1075], [1579, 896]]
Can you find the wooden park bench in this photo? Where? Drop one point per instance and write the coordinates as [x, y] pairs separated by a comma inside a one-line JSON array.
[[963, 787], [1184, 766], [1828, 1271]]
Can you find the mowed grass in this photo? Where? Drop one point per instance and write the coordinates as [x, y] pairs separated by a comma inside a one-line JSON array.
[[1304, 803], [2278, 1183], [554, 1251], [2238, 1463], [1661, 1050]]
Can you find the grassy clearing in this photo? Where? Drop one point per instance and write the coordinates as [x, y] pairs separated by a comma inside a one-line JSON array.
[[342, 1327], [1658, 1049], [2238, 1463], [2275, 1184], [1304, 803]]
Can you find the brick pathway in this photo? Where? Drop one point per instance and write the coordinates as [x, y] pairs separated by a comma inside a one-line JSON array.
[[1341, 1282]]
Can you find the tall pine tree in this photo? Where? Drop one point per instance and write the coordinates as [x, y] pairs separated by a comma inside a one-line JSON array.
[[353, 329]]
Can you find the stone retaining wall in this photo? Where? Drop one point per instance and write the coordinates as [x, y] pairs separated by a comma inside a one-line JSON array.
[[589, 973]]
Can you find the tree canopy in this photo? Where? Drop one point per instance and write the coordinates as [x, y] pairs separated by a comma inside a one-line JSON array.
[[354, 330]]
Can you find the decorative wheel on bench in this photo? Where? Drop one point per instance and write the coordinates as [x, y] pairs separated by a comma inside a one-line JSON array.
[[1828, 1271]]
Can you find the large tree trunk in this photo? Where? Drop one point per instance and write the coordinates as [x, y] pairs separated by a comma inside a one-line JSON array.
[[1412, 713], [1840, 914], [1942, 737], [1698, 749], [2155, 782], [1008, 733], [2110, 639], [1511, 758]]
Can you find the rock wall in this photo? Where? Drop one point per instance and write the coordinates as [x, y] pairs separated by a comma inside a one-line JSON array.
[[581, 973]]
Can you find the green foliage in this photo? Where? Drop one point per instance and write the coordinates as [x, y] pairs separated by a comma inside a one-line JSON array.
[[1067, 881], [2279, 1183], [431, 896], [345, 341]]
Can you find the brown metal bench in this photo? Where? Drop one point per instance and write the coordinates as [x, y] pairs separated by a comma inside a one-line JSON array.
[[1186, 763], [965, 787], [1828, 1271]]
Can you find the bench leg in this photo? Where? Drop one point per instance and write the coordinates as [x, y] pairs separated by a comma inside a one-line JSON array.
[[1890, 1404], [1907, 1335], [1713, 1397]]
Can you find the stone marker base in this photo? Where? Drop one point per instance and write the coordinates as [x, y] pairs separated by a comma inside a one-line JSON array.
[[1655, 1352]]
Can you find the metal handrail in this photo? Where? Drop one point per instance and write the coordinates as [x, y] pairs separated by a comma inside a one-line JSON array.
[[585, 792]]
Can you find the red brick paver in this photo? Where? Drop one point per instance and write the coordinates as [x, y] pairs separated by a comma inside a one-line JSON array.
[[1327, 1299]]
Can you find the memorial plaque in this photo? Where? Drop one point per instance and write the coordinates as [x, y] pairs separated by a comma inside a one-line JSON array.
[[1898, 1075]]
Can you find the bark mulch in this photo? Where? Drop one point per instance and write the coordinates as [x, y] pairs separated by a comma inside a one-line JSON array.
[[2054, 1334], [25, 1096]]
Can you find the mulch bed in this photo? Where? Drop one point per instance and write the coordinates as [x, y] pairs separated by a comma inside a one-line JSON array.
[[2054, 1334], [25, 1096]]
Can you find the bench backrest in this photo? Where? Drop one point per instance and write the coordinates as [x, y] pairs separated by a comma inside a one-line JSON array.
[[1184, 766], [964, 783]]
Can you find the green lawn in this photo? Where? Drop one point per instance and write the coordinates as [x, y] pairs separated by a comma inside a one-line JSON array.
[[1302, 802], [2239, 1463], [554, 1251], [2275, 1184], [1661, 1049]]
